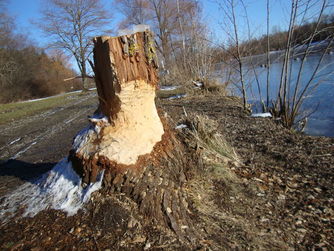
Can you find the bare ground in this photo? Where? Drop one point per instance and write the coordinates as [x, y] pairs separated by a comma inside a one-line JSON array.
[[34, 144], [279, 198]]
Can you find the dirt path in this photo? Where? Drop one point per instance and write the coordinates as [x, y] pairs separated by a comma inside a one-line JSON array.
[[32, 145]]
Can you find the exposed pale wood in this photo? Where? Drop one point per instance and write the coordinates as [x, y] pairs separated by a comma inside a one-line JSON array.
[[130, 58], [126, 78]]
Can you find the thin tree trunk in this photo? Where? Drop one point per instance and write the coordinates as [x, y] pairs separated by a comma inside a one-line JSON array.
[[239, 59], [84, 77], [268, 55], [281, 103], [182, 34]]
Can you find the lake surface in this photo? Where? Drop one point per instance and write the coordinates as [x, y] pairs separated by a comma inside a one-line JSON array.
[[319, 103]]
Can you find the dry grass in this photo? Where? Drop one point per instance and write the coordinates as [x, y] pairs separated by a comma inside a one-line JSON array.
[[217, 155], [225, 204], [215, 149], [210, 87], [214, 86]]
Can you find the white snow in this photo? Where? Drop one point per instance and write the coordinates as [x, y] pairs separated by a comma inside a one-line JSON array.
[[24, 150], [83, 137], [39, 99], [177, 96], [261, 115], [96, 118], [14, 141], [70, 120], [198, 84], [181, 126], [58, 189], [140, 28], [169, 88], [135, 29]]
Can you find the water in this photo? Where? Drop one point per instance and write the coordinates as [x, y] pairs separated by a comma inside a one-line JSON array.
[[318, 103]]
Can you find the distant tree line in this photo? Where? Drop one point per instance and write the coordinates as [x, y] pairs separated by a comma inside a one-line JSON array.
[[302, 34], [26, 71]]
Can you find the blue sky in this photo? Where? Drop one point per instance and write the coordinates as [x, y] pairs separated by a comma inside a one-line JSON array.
[[25, 11]]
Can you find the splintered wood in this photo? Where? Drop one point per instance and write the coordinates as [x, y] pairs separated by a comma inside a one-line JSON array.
[[120, 61]]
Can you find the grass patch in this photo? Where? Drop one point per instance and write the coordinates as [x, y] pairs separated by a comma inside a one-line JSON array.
[[14, 111], [8, 245]]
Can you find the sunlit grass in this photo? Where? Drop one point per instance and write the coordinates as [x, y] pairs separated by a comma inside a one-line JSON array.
[[14, 111], [216, 148]]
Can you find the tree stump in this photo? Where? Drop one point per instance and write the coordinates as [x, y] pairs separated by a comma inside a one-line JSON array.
[[128, 140]]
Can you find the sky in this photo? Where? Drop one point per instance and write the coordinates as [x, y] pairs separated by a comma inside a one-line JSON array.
[[25, 11]]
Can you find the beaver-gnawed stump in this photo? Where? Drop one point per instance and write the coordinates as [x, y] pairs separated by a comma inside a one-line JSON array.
[[128, 140]]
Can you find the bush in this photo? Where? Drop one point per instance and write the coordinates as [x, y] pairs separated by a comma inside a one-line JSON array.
[[28, 73]]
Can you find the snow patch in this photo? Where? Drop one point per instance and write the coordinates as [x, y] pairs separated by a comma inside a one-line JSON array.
[[198, 84], [261, 115], [177, 96], [169, 88], [39, 99], [98, 118], [83, 137], [98, 121], [59, 189], [24, 150], [181, 126], [70, 120], [135, 29], [14, 141]]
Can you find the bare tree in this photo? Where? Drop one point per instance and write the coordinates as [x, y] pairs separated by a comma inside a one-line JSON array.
[[9, 69], [292, 93], [71, 24], [298, 39], [268, 54], [6, 25], [165, 18], [197, 51], [228, 7], [135, 11]]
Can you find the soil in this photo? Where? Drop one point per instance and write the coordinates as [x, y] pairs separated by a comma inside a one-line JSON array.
[[280, 196], [32, 145]]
